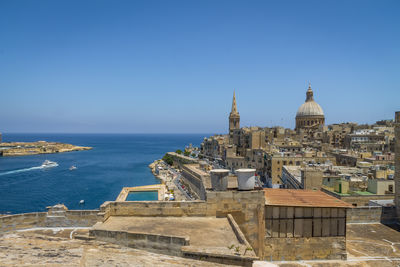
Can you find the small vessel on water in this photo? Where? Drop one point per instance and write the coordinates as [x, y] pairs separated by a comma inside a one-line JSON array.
[[82, 202], [49, 164], [72, 168]]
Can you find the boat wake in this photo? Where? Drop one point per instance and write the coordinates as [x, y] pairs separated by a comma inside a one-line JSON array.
[[46, 164], [22, 170]]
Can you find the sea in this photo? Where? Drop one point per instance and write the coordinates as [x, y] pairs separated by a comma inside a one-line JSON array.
[[116, 161]]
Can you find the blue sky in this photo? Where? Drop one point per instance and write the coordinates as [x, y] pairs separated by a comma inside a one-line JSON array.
[[172, 66]]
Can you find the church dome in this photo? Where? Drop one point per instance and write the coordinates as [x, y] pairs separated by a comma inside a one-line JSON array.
[[310, 107]]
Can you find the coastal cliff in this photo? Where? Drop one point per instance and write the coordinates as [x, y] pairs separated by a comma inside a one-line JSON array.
[[39, 147]]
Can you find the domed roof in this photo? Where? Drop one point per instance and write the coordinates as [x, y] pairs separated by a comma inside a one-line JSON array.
[[310, 107]]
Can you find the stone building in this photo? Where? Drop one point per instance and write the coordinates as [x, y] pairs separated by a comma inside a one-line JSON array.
[[310, 115], [213, 147], [274, 164], [304, 224], [397, 162], [234, 119]]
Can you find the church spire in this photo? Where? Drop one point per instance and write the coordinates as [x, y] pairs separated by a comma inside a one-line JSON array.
[[234, 107], [234, 119]]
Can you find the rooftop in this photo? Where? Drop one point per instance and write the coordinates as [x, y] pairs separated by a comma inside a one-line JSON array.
[[302, 198], [195, 228]]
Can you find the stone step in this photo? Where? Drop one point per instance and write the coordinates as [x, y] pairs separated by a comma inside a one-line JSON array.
[[84, 237]]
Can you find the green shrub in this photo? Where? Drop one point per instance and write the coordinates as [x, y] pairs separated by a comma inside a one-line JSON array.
[[168, 159]]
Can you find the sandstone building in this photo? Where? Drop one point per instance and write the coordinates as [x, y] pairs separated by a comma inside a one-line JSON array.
[[310, 115], [397, 162]]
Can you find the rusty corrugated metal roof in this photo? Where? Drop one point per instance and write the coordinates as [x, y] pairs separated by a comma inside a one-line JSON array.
[[302, 198]]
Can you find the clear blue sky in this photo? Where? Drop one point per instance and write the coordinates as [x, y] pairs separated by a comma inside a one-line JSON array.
[[171, 66]]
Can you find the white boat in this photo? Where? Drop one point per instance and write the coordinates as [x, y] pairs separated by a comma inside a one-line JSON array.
[[82, 202], [49, 164], [72, 168]]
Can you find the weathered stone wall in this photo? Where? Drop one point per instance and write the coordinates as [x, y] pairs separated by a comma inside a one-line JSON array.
[[158, 243], [22, 221], [364, 215], [194, 181], [154, 208], [69, 218], [247, 208], [290, 249], [397, 162], [311, 178]]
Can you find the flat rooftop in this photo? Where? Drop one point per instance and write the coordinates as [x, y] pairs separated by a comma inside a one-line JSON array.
[[302, 198], [198, 229]]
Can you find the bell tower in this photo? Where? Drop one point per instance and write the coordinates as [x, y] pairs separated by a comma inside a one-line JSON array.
[[234, 118]]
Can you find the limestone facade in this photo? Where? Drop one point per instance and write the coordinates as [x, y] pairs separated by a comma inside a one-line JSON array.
[[397, 162]]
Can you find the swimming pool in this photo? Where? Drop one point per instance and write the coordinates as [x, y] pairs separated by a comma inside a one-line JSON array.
[[142, 196]]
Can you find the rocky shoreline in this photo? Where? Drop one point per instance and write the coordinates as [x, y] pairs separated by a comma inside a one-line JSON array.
[[39, 147]]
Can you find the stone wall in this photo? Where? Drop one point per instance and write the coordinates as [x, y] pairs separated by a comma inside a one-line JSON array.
[[58, 217], [157, 243], [194, 180], [153, 208], [22, 221], [291, 249], [247, 208], [372, 214], [397, 162], [364, 215]]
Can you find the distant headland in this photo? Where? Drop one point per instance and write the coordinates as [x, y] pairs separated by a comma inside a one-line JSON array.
[[39, 147]]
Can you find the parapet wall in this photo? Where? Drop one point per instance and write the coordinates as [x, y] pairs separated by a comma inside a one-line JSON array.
[[68, 218], [153, 208], [22, 221], [364, 215], [291, 249], [157, 243], [371, 214]]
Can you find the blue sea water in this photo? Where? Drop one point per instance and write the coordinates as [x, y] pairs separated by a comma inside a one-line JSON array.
[[116, 160]]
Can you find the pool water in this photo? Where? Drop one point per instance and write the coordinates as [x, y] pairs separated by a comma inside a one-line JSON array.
[[142, 196]]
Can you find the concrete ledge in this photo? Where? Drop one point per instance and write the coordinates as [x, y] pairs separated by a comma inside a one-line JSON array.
[[239, 234], [164, 244], [217, 255]]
